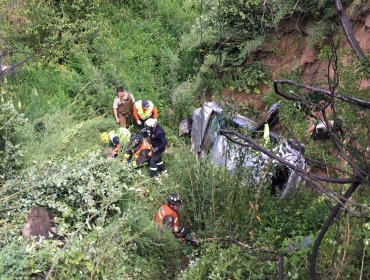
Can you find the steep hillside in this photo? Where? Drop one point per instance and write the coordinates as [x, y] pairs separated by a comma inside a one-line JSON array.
[[294, 47]]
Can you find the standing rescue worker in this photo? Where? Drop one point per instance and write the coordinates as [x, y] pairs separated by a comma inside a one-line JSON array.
[[122, 107], [167, 215], [159, 143], [143, 110]]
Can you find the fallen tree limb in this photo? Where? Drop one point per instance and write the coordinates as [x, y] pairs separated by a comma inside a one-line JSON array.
[[311, 178], [12, 68], [349, 32], [255, 145], [331, 95], [324, 92], [329, 221]]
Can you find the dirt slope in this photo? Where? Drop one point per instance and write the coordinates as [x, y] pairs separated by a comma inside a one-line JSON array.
[[288, 50]]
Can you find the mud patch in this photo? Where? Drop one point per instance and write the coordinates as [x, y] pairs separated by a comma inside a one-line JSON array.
[[241, 99]]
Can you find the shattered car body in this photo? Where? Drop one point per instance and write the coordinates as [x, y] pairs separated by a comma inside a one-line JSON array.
[[207, 141]]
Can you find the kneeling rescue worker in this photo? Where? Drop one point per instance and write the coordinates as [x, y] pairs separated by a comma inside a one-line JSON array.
[[116, 139], [167, 215], [140, 150]]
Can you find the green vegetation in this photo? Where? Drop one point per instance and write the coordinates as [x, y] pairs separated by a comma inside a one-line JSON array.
[[173, 53]]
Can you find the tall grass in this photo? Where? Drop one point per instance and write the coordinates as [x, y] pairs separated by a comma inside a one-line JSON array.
[[59, 135]]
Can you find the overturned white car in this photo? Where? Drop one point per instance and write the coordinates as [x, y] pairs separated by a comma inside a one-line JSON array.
[[206, 140]]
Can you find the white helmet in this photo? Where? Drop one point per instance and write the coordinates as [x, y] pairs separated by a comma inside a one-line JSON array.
[[151, 122]]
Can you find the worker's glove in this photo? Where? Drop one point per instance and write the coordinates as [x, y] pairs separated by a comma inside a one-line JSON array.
[[126, 156], [139, 122], [134, 164], [111, 155], [154, 150]]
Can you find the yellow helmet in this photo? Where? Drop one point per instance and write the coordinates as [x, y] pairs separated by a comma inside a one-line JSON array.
[[104, 137]]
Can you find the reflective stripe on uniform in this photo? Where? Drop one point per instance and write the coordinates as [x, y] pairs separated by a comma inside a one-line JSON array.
[[160, 214], [153, 168], [144, 114], [160, 163]]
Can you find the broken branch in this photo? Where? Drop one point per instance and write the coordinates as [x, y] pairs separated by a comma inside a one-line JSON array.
[[326, 93]]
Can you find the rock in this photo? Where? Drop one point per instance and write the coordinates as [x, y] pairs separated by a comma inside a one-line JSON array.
[[39, 224], [184, 127]]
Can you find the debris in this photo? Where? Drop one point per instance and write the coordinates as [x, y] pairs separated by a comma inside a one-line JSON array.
[[206, 140]]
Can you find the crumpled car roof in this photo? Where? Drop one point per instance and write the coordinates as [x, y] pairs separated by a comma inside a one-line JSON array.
[[205, 140]]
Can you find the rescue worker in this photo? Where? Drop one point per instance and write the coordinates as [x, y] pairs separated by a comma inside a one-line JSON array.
[[320, 131], [117, 140], [159, 143], [168, 215], [143, 110], [122, 107], [139, 150]]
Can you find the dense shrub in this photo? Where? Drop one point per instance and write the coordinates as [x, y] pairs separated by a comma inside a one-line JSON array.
[[95, 198], [10, 151]]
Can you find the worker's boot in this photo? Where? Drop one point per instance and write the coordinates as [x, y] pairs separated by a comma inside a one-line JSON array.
[[161, 167], [153, 172]]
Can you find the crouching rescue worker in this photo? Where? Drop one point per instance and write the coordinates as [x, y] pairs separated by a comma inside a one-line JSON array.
[[116, 140], [140, 150], [159, 143], [167, 215]]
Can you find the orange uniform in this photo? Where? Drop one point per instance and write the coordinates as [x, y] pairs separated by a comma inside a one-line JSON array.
[[164, 211], [142, 153], [141, 113]]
